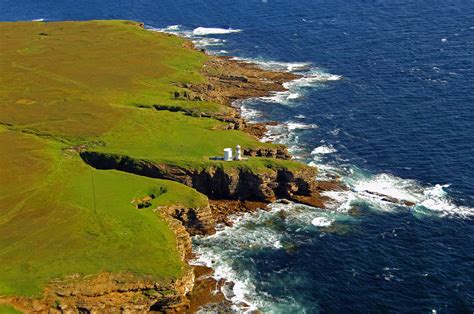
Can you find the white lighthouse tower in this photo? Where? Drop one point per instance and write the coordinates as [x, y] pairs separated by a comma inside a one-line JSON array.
[[238, 153]]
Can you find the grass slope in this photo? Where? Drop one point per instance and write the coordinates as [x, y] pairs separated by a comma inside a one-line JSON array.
[[60, 217], [6, 309]]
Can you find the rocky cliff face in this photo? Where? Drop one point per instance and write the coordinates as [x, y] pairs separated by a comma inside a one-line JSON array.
[[191, 221], [217, 183], [110, 293]]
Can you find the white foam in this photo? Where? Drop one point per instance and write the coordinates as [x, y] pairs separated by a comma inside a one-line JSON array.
[[297, 88], [38, 20], [281, 97], [437, 199], [287, 134], [177, 30], [300, 126], [387, 193], [314, 77], [249, 114], [321, 222], [323, 150], [171, 28], [204, 31], [199, 36], [277, 65], [208, 41], [389, 185]]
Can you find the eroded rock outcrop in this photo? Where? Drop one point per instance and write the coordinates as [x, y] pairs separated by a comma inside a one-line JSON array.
[[109, 293], [218, 183], [193, 221]]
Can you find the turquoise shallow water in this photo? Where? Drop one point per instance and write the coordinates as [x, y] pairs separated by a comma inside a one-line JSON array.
[[386, 103]]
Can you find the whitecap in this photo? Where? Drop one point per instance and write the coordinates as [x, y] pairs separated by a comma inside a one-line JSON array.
[[208, 41], [249, 114], [38, 20], [321, 222], [388, 185], [204, 31], [323, 150], [437, 199], [314, 77], [387, 192], [171, 28], [300, 126], [297, 88], [277, 65], [281, 97]]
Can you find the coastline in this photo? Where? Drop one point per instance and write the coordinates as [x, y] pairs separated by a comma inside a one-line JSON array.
[[231, 188], [115, 201], [228, 82]]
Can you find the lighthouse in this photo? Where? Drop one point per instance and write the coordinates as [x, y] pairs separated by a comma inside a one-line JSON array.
[[238, 153]]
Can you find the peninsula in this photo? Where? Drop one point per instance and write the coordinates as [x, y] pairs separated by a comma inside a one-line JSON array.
[[107, 132]]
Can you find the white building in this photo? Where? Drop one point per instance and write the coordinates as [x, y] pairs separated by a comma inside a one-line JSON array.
[[227, 154]]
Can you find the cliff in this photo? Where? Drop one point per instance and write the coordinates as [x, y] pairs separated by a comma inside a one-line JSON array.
[[217, 182]]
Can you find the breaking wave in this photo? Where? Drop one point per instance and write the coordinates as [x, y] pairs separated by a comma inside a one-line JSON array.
[[311, 76], [314, 77], [324, 149], [199, 36], [262, 231], [204, 31], [387, 192], [276, 65]]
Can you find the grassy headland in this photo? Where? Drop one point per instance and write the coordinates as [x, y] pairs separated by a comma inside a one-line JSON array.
[[70, 86]]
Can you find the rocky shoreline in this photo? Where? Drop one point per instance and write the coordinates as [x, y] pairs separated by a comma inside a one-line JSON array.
[[228, 81]]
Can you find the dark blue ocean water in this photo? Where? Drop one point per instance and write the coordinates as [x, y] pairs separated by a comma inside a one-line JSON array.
[[387, 103]]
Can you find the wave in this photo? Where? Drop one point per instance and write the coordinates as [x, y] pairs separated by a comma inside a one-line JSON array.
[[300, 126], [199, 36], [206, 42], [249, 114], [204, 31], [321, 222], [288, 134], [387, 192], [272, 65], [311, 76], [323, 149], [264, 230], [171, 28], [381, 191], [38, 20], [297, 88]]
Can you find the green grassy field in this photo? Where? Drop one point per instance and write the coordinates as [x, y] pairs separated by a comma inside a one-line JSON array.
[[6, 309], [62, 217], [65, 84]]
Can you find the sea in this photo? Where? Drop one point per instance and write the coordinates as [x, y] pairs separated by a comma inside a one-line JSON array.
[[385, 102]]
